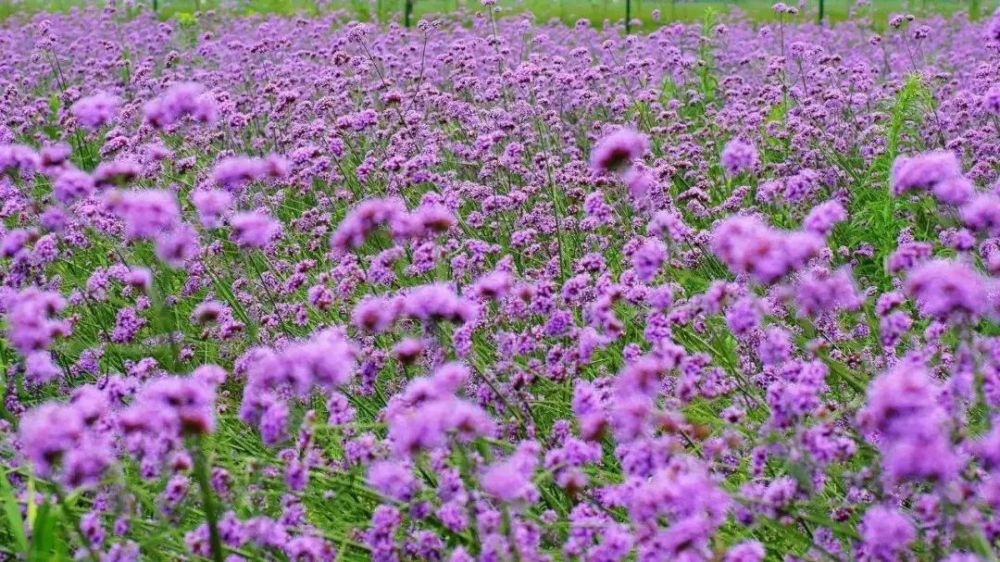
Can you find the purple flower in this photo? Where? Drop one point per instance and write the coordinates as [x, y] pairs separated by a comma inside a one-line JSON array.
[[504, 481], [819, 292], [739, 156], [428, 412], [72, 184], [428, 220], [748, 551], [823, 217], [953, 191], [183, 405], [991, 100], [743, 316], [15, 241], [902, 410], [375, 314], [494, 285], [212, 206], [885, 533], [310, 549], [648, 259], [31, 319], [40, 368], [234, 172], [510, 480], [254, 229], [639, 182], [746, 245], [181, 100], [437, 302], [237, 171], [924, 171], [908, 255], [49, 431], [945, 288], [116, 172], [95, 111], [18, 159], [616, 151], [982, 213], [392, 479], [67, 440], [147, 212], [177, 245], [367, 217]]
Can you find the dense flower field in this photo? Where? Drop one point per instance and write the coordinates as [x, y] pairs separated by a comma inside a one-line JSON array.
[[491, 289]]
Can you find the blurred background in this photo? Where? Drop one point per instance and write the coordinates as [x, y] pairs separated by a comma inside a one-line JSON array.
[[643, 13]]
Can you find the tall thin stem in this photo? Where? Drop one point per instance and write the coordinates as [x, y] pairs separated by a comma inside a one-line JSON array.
[[407, 12], [207, 498]]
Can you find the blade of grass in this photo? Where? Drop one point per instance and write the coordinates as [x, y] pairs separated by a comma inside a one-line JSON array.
[[12, 513]]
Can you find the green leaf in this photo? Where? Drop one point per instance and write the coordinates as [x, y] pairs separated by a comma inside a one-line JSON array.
[[43, 536], [12, 513]]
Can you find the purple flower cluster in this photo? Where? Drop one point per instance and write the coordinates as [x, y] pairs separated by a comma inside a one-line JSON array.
[[748, 246], [96, 111], [179, 101], [490, 289]]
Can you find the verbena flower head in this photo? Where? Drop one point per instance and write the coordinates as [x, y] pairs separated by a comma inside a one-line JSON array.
[[648, 259], [184, 405], [911, 427], [924, 171], [367, 217], [69, 441], [819, 292], [437, 302], [739, 156], [18, 159], [146, 213], [982, 213], [72, 184], [234, 172], [179, 101], [116, 173], [254, 229], [212, 206], [947, 288], [746, 245], [32, 321], [510, 480], [428, 412], [616, 151], [823, 217], [886, 533], [95, 111]]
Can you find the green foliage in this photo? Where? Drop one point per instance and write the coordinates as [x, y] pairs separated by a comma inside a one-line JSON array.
[[565, 10], [12, 514], [874, 211]]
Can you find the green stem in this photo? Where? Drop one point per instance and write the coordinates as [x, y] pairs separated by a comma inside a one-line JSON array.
[[407, 12], [74, 522], [207, 498]]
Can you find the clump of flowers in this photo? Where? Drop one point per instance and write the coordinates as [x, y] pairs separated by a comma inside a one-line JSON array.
[[488, 290]]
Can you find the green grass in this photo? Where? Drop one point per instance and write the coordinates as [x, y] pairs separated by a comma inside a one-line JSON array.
[[596, 11]]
